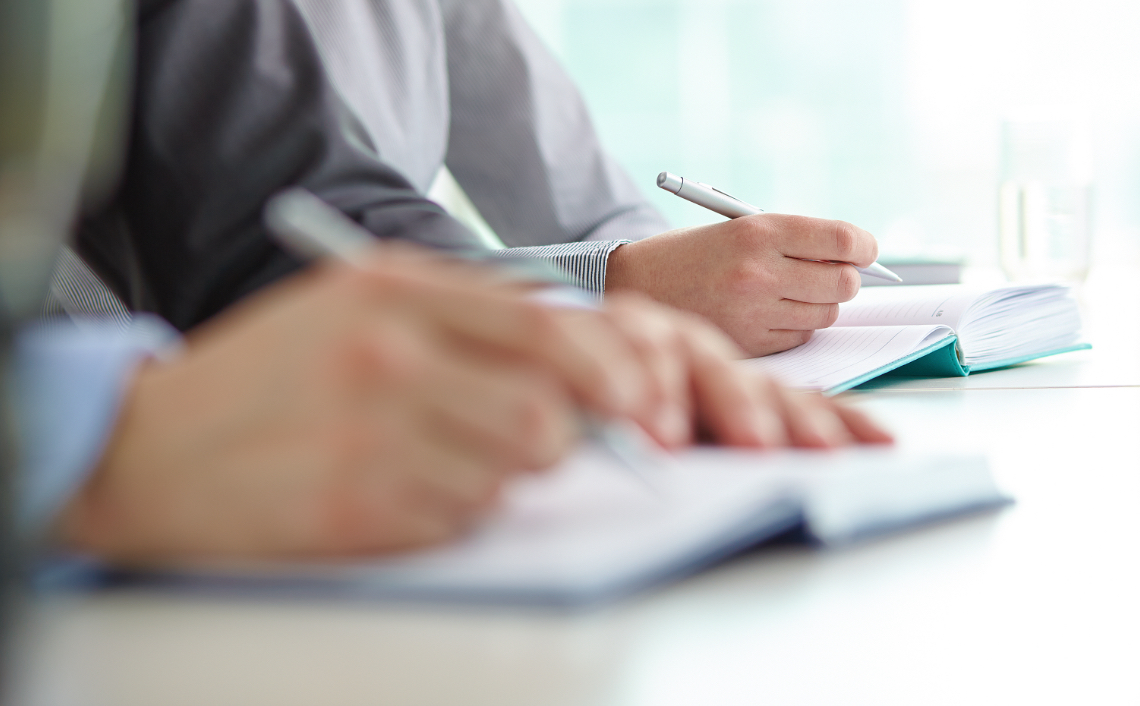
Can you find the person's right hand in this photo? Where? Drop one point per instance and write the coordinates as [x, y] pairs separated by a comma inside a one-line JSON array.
[[698, 390], [757, 278], [342, 411]]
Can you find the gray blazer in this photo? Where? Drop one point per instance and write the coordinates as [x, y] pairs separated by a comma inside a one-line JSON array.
[[362, 102]]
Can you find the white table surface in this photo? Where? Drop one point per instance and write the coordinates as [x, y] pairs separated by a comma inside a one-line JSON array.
[[1039, 603], [1035, 604]]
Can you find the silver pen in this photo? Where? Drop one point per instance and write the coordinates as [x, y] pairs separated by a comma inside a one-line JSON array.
[[312, 229], [717, 201]]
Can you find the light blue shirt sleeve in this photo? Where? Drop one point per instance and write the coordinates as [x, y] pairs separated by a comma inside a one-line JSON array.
[[69, 382]]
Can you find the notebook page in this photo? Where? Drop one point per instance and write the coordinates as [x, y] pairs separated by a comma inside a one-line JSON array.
[[1012, 322], [992, 325], [585, 527], [835, 356], [903, 306], [586, 530]]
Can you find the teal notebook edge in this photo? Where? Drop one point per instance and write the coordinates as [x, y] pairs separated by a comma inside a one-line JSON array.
[[941, 361], [934, 350]]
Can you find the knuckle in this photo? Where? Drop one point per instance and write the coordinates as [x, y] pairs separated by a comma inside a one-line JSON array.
[[392, 357], [847, 284], [644, 343], [747, 276], [846, 241], [830, 316], [799, 225]]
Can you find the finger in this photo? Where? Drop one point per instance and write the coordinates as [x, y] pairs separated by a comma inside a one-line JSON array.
[[464, 424], [862, 427], [819, 239], [777, 341], [598, 361], [397, 499], [582, 352], [812, 423], [731, 401], [817, 282], [448, 480], [653, 336], [515, 418], [799, 316], [510, 414], [768, 414]]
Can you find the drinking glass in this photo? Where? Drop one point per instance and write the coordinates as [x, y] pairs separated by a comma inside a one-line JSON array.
[[1045, 200]]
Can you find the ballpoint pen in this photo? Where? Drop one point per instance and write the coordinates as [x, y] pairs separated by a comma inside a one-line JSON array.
[[717, 201], [312, 229]]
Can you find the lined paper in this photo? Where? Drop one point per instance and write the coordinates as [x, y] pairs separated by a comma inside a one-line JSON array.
[[992, 325], [902, 306], [835, 356]]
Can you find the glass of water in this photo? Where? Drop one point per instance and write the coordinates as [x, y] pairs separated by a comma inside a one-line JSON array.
[[1045, 200]]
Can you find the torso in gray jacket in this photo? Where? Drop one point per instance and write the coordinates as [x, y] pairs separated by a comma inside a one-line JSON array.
[[362, 102]]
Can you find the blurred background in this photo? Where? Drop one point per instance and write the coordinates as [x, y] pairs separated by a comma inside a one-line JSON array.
[[898, 115]]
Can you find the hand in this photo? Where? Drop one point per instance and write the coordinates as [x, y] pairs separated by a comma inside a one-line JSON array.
[[671, 371], [330, 414], [697, 389], [751, 276]]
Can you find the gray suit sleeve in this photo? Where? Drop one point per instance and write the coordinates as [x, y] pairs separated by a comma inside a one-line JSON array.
[[232, 104], [522, 144]]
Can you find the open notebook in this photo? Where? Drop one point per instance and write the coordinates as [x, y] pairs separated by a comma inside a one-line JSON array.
[[590, 531], [932, 331]]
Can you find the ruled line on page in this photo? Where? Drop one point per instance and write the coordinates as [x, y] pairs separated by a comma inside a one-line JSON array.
[[837, 355]]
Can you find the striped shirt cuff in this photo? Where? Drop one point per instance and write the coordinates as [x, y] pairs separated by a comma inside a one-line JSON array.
[[583, 263]]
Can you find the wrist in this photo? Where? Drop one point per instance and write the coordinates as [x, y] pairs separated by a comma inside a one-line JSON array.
[[98, 517], [84, 523], [620, 268]]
